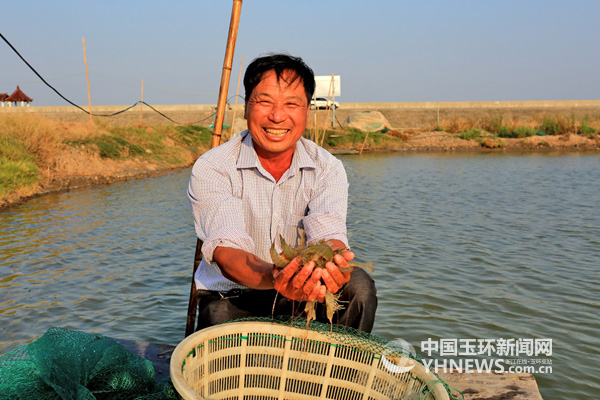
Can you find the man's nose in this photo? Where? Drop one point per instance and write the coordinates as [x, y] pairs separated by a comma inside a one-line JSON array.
[[278, 113]]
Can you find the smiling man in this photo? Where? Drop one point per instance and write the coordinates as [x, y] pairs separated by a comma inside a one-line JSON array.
[[270, 181]]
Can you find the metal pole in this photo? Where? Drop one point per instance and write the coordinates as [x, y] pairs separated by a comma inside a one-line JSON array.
[[222, 102]]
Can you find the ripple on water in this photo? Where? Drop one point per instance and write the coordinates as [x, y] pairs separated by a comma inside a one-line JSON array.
[[465, 246]]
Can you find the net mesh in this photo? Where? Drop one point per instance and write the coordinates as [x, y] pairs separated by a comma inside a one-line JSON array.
[[68, 364], [343, 334]]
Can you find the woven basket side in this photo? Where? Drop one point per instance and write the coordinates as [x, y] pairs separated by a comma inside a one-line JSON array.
[[259, 360]]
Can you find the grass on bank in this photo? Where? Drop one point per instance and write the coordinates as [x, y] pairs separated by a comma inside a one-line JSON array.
[[349, 138], [30, 144], [499, 126]]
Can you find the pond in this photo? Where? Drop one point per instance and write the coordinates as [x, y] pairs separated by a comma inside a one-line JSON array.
[[466, 247]]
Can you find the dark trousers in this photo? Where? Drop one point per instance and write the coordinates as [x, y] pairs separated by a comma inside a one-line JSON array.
[[358, 298]]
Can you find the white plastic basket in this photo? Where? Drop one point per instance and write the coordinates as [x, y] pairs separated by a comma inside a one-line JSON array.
[[261, 360]]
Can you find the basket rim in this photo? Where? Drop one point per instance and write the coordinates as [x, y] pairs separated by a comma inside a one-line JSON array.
[[187, 345]]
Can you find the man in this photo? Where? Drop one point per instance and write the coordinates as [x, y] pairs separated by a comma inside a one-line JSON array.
[[267, 182]]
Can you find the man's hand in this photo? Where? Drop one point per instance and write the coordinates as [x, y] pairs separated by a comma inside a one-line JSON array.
[[333, 278], [301, 284]]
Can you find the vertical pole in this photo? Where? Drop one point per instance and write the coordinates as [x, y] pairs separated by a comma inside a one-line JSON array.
[[363, 145], [229, 51], [316, 123], [87, 77], [333, 102], [142, 102], [327, 108], [237, 93]]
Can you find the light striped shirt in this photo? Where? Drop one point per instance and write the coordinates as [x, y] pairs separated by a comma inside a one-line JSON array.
[[237, 203]]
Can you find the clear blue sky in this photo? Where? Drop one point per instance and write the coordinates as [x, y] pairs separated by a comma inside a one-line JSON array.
[[384, 50]]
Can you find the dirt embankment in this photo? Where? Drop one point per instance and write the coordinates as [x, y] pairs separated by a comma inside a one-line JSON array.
[[445, 142], [75, 167]]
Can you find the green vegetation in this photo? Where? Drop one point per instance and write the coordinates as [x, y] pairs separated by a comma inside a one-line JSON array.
[[30, 144], [24, 146], [160, 144], [34, 149], [349, 138], [496, 125], [194, 136], [471, 134], [110, 146], [585, 128], [15, 174]]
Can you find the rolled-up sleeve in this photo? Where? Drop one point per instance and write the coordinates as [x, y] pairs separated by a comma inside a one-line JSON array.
[[218, 213], [326, 218]]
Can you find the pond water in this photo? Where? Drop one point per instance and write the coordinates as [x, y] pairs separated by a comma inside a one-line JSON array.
[[466, 247]]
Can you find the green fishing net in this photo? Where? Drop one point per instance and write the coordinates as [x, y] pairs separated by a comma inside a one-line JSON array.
[[67, 364]]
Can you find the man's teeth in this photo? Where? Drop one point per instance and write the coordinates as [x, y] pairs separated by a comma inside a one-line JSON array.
[[276, 132]]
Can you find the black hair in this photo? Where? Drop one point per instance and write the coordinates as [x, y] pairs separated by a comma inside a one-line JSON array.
[[279, 63]]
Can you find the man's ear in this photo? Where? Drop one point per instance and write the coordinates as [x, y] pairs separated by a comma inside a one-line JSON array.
[[246, 110]]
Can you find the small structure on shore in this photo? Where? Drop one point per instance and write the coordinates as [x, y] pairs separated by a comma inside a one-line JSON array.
[[16, 97]]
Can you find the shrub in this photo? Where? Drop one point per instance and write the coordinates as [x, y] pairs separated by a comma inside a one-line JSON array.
[[518, 132], [555, 126], [585, 129], [492, 123], [471, 134]]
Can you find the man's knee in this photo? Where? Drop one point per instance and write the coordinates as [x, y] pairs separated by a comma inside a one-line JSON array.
[[362, 287]]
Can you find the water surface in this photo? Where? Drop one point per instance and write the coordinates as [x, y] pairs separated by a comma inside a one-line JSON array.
[[465, 246]]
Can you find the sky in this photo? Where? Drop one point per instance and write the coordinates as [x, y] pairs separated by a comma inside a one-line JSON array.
[[383, 50]]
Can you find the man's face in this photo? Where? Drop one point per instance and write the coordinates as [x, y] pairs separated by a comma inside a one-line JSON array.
[[276, 113]]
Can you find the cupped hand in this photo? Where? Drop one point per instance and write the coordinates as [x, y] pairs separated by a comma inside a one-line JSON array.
[[337, 272], [300, 283]]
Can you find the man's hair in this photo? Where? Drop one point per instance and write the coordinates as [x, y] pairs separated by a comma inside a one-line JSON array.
[[279, 63]]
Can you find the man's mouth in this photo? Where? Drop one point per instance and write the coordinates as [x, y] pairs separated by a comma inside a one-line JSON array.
[[276, 132]]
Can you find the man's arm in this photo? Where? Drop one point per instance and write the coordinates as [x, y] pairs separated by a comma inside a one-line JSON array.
[[244, 268], [293, 282], [327, 221]]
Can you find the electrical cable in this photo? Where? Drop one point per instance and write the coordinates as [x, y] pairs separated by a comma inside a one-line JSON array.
[[39, 76], [84, 110]]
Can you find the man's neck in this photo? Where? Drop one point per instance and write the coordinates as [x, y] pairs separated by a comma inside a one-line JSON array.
[[275, 163]]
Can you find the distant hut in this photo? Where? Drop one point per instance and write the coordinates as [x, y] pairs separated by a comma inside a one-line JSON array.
[[3, 97], [19, 97]]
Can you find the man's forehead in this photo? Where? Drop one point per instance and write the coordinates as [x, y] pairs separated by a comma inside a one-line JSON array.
[[287, 79]]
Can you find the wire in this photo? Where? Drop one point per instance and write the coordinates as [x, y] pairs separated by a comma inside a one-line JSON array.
[[39, 76], [50, 79], [86, 111]]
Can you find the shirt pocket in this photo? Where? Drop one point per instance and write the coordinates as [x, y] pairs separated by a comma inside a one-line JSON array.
[[293, 222]]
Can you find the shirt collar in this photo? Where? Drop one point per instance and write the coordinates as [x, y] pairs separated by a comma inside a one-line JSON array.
[[249, 159]]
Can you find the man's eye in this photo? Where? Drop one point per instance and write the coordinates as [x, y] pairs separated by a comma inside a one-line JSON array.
[[292, 105]]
